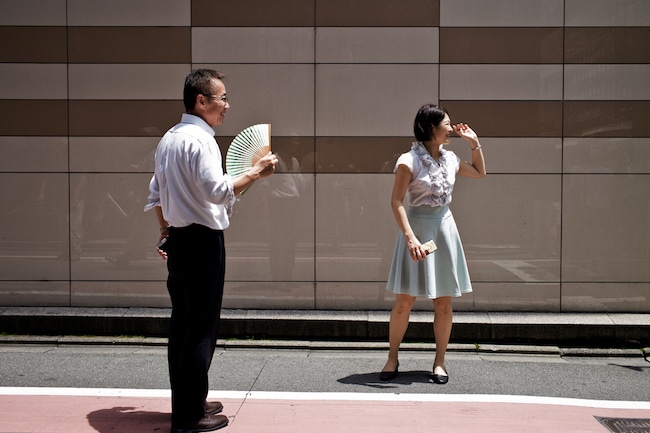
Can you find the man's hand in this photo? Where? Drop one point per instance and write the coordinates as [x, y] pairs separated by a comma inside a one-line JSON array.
[[265, 166], [161, 248]]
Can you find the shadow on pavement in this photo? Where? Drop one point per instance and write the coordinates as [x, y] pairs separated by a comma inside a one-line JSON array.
[[128, 420], [372, 380]]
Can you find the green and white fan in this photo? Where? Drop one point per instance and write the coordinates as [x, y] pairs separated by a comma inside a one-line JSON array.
[[247, 148]]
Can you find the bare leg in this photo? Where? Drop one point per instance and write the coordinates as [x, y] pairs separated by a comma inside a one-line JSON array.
[[442, 328], [399, 322]]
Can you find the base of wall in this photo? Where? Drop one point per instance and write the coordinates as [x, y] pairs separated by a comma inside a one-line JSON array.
[[559, 329]]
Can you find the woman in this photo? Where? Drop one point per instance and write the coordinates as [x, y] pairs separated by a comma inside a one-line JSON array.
[[427, 173]]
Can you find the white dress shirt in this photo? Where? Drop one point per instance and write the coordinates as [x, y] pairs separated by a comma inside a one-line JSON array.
[[188, 181]]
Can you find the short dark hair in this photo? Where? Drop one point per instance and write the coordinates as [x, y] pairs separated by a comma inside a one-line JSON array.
[[429, 115], [198, 82]]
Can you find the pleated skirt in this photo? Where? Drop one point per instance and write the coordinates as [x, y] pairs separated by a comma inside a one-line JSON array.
[[444, 272]]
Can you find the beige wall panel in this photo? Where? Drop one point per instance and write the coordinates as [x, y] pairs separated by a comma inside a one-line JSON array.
[[514, 155], [129, 12], [605, 239], [501, 296], [34, 226], [35, 293], [607, 45], [129, 45], [253, 45], [501, 82], [282, 95], [501, 45], [377, 13], [269, 295], [45, 117], [377, 45], [33, 154], [606, 155], [611, 297], [509, 118], [501, 13], [113, 154], [271, 236], [607, 13], [253, 13], [606, 82], [33, 81], [510, 226], [123, 118], [606, 119], [348, 97], [124, 82], [356, 296], [355, 228], [111, 236], [33, 12], [120, 293], [360, 154], [37, 44]]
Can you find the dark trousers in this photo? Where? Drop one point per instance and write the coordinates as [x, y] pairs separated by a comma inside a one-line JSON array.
[[196, 263]]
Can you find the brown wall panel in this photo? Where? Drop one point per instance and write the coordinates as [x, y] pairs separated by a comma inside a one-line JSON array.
[[508, 118], [33, 44], [287, 149], [607, 45], [359, 154], [130, 45], [500, 45], [607, 119], [34, 117], [252, 13], [123, 118], [378, 13]]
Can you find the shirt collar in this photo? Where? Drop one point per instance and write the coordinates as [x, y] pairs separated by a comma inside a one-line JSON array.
[[196, 120], [424, 153]]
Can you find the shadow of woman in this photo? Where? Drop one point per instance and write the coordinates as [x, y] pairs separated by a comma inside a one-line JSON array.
[[128, 420], [372, 380]]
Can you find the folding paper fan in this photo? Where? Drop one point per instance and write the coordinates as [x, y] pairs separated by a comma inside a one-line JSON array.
[[247, 148]]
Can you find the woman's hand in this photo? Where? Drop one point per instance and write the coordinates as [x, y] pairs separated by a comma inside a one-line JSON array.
[[465, 132], [417, 251]]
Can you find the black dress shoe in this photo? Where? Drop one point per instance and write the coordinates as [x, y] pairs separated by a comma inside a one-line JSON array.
[[389, 375], [207, 423], [213, 407], [440, 379]]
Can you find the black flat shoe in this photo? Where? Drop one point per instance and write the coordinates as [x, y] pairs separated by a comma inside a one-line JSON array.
[[389, 375], [440, 379]]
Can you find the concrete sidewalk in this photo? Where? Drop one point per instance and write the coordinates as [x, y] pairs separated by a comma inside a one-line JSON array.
[[121, 386], [594, 330]]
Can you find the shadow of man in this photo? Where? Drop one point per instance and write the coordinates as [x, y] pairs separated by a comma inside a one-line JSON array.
[[128, 420]]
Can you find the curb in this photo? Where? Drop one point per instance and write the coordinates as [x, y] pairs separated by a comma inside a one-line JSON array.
[[607, 330]]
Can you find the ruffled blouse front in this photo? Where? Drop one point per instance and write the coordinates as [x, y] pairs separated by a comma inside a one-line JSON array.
[[431, 182]]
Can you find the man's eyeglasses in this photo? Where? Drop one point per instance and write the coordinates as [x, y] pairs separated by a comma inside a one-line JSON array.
[[223, 97]]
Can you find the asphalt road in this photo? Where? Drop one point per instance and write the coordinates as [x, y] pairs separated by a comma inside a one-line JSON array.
[[344, 369]]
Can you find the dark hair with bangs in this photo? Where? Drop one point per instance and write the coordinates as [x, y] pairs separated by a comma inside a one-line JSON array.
[[428, 116], [198, 82]]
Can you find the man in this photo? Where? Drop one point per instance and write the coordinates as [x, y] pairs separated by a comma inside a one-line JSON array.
[[193, 201]]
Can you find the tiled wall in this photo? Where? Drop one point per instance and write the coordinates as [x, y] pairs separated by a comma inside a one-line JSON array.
[[557, 89]]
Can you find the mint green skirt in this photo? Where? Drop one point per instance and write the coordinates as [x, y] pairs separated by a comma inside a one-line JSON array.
[[444, 272]]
